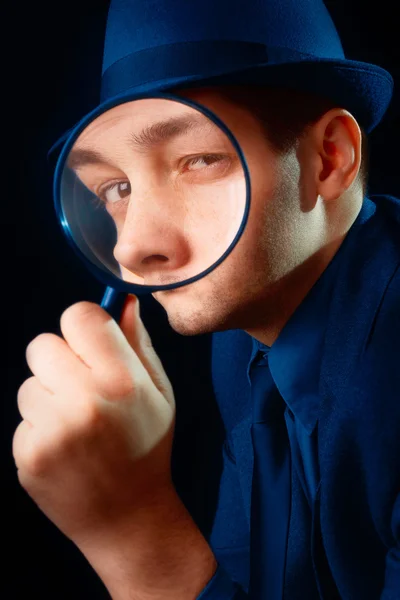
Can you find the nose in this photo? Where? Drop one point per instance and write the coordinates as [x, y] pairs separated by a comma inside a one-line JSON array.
[[151, 241]]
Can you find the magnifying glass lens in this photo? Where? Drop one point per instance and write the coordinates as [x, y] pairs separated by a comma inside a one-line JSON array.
[[153, 192]]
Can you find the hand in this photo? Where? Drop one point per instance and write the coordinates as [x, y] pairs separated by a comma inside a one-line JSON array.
[[94, 447]]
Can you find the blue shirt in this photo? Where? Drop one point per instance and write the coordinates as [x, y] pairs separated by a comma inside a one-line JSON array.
[[296, 375]]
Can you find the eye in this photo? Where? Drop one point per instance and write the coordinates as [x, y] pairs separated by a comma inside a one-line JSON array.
[[112, 193], [206, 160]]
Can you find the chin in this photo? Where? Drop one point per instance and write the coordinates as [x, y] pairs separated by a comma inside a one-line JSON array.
[[197, 309], [189, 322], [197, 321]]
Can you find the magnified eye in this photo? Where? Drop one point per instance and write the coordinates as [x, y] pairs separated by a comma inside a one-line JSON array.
[[206, 160], [112, 193]]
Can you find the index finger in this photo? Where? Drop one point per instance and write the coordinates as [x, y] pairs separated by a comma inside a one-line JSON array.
[[97, 339]]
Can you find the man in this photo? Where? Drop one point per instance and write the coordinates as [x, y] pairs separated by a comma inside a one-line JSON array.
[[307, 314]]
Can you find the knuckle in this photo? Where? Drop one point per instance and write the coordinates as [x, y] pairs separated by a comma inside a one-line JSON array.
[[17, 441], [118, 383], [37, 455], [32, 459], [91, 419]]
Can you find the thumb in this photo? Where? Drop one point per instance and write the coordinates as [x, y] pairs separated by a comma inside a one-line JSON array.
[[138, 338]]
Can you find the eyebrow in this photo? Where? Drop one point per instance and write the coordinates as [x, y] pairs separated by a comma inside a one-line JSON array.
[[146, 139]]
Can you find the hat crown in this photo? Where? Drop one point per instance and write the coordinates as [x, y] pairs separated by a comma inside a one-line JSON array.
[[304, 26]]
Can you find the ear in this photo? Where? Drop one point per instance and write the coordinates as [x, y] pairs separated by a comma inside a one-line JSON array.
[[337, 141]]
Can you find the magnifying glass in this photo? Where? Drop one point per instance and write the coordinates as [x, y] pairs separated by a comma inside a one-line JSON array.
[[152, 193]]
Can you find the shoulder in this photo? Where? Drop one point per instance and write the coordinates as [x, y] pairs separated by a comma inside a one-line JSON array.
[[359, 427], [374, 384], [365, 412], [384, 336], [388, 206], [361, 382]]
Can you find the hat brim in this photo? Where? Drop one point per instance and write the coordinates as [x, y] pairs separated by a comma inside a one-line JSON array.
[[364, 89]]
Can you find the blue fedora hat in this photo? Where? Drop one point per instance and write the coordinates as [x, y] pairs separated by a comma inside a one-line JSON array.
[[161, 45]]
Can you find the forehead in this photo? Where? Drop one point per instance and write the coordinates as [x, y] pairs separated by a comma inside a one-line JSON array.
[[145, 113], [137, 112], [140, 125]]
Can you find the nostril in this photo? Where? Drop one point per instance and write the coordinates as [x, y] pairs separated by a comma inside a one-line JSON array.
[[160, 257]]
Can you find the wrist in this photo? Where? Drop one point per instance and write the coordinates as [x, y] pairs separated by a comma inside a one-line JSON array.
[[158, 553]]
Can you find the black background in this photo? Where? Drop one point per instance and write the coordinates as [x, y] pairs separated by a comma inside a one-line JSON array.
[[50, 78]]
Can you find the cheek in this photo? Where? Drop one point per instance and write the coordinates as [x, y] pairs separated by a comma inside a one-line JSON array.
[[267, 241], [261, 218]]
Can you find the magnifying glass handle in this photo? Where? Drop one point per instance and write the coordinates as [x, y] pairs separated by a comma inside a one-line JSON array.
[[113, 302]]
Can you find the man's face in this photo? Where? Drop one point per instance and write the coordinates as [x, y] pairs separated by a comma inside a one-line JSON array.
[[256, 287], [246, 290]]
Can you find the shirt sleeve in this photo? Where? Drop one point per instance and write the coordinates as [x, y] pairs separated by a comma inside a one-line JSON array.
[[221, 587]]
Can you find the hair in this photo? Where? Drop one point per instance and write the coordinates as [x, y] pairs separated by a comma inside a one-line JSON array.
[[285, 115]]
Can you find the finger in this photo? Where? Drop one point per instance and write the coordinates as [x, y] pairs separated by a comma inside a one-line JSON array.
[[138, 337], [29, 397], [39, 407], [54, 364], [21, 443], [94, 335], [34, 450]]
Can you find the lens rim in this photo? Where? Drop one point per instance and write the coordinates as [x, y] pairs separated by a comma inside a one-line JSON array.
[[107, 277]]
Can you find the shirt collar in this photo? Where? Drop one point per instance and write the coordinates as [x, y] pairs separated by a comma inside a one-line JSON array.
[[295, 357]]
